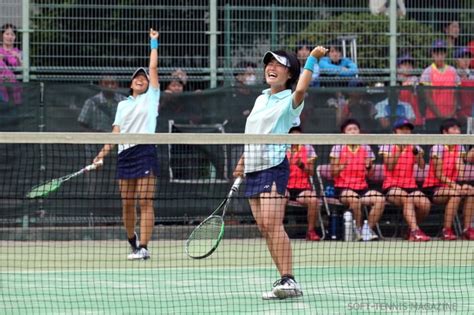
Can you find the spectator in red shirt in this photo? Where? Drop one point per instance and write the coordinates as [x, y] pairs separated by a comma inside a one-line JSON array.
[[399, 185], [300, 188], [440, 103], [350, 165], [443, 184]]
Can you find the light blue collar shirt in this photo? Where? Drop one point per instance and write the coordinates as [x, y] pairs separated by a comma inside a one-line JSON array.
[[271, 114]]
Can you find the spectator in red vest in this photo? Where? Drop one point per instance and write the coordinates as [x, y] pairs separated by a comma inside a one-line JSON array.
[[350, 166], [444, 185], [399, 185], [301, 159], [441, 103]]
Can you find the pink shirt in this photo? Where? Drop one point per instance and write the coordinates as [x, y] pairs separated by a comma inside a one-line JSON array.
[[8, 62], [402, 174], [450, 159], [353, 174]]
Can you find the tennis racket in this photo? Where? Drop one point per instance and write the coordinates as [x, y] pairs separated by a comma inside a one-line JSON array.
[[43, 190], [205, 238]]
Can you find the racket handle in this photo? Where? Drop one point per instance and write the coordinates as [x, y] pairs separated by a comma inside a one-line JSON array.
[[237, 183], [94, 166]]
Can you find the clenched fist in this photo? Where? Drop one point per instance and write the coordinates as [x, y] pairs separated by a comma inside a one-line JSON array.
[[318, 52]]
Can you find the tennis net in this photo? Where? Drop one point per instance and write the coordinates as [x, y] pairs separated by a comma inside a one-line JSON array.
[[67, 252]]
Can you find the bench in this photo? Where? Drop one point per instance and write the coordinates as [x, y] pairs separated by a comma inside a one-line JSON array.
[[323, 172]]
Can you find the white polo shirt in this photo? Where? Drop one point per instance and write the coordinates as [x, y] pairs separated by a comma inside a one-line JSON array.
[[138, 114], [271, 114]]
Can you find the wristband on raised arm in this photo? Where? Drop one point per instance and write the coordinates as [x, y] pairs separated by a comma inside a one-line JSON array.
[[154, 43], [310, 62]]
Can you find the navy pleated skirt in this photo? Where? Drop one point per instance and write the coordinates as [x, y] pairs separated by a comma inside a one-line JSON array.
[[137, 162]]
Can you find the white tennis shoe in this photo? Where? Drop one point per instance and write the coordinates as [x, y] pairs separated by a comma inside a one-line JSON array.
[[139, 254], [282, 289]]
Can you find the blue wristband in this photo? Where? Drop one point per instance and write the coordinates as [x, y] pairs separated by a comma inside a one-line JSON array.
[[309, 65], [154, 43]]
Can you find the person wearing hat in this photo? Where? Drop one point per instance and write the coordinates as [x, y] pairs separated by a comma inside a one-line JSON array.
[[266, 167], [399, 184], [463, 65], [350, 167], [137, 165], [440, 103], [444, 186]]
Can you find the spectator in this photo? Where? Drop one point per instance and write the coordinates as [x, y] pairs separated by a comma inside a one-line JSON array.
[[98, 112], [399, 185], [463, 59], [10, 58], [175, 86], [403, 110], [470, 46], [443, 186], [441, 103], [463, 63], [451, 30], [350, 165], [174, 105], [335, 66], [405, 66], [357, 107], [243, 97], [470, 156], [301, 159], [247, 77], [303, 49]]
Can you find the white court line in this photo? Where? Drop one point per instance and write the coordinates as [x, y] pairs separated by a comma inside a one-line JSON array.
[[244, 268]]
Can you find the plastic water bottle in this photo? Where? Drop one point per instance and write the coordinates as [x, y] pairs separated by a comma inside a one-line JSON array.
[[348, 235], [366, 231]]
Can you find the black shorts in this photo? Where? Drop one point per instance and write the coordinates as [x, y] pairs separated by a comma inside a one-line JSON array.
[[294, 193], [339, 190], [430, 191], [407, 190]]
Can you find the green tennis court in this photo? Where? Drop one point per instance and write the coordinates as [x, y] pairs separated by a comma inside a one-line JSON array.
[[90, 277]]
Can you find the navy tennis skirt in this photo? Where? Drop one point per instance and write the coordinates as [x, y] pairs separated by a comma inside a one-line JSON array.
[[262, 181], [137, 162]]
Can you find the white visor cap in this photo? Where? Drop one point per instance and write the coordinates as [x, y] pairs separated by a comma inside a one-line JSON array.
[[281, 59]]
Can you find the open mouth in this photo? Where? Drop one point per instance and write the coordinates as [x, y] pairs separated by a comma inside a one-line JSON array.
[[272, 75]]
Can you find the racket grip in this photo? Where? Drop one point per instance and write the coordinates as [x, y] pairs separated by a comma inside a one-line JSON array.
[[236, 184], [94, 166]]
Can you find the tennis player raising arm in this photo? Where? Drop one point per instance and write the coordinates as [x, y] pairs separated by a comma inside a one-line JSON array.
[[137, 165], [266, 167]]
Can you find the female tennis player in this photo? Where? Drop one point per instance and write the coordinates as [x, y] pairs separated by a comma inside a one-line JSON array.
[[137, 165], [266, 166]]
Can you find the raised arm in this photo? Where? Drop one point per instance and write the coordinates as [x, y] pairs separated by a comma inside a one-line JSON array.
[[153, 70], [306, 76]]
